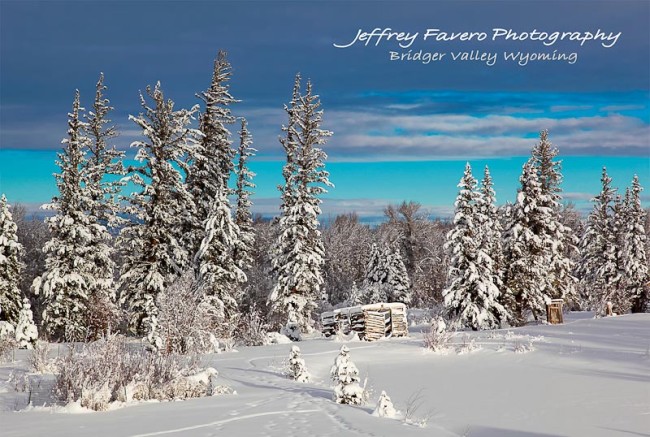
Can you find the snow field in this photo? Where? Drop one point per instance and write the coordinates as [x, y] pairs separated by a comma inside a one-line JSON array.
[[588, 377]]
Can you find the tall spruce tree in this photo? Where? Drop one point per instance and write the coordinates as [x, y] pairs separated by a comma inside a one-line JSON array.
[[471, 297], [10, 266], [298, 257], [619, 297], [78, 244], [491, 229], [243, 251], [152, 243], [220, 276], [103, 160], [635, 259], [599, 264], [549, 174], [103, 164], [527, 244], [212, 161]]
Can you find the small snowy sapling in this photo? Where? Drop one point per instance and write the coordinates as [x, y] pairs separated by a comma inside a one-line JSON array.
[[26, 332], [297, 369], [385, 407], [345, 373]]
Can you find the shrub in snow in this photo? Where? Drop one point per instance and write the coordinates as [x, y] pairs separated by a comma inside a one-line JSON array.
[[252, 330], [438, 338], [345, 373], [7, 340], [26, 332], [413, 408], [276, 338], [385, 407], [523, 346], [297, 369], [7, 330], [39, 360], [109, 370], [467, 345], [184, 323]]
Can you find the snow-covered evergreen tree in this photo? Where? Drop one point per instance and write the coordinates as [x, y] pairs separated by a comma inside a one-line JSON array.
[[243, 252], [219, 275], [103, 160], [398, 282], [297, 369], [298, 255], [471, 297], [78, 244], [529, 287], [213, 160], [491, 229], [549, 174], [599, 265], [152, 243], [346, 376], [635, 261], [26, 331], [376, 276], [10, 265], [103, 164], [355, 298], [620, 299], [385, 407]]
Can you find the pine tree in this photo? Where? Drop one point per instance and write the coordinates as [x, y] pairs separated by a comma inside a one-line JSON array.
[[103, 161], [10, 265], [243, 252], [219, 274], [297, 369], [599, 266], [213, 159], [635, 259], [620, 299], [398, 282], [298, 256], [374, 286], [78, 244], [103, 164], [549, 174], [471, 297], [354, 299], [491, 228], [527, 256], [345, 373], [26, 331], [152, 243], [385, 407]]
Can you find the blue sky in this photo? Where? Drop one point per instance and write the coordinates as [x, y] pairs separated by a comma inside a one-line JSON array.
[[387, 116]]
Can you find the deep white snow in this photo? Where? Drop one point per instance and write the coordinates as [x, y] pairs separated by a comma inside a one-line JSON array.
[[588, 377]]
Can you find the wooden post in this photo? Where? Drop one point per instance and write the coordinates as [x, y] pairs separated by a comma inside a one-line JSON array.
[[554, 312]]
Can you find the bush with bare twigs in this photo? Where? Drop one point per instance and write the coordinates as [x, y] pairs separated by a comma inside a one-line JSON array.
[[111, 370]]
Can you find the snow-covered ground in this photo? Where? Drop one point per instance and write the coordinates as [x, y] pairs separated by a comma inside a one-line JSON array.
[[584, 378]]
